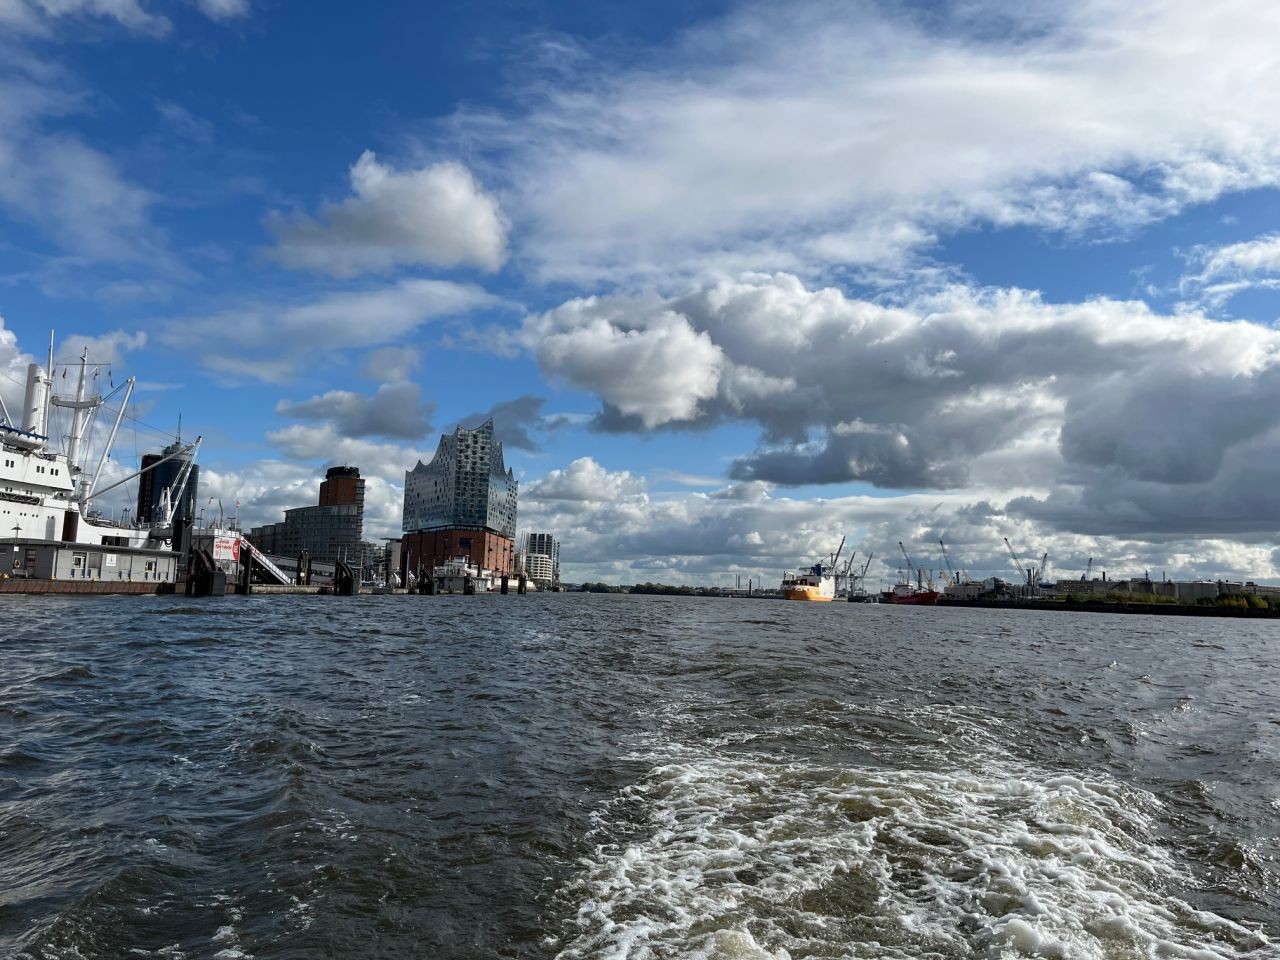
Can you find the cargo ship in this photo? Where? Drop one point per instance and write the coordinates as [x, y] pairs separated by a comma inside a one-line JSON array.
[[816, 584], [914, 594], [56, 541], [919, 593]]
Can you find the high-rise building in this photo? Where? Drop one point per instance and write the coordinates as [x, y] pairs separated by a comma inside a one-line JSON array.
[[542, 559], [163, 475], [461, 504], [331, 530]]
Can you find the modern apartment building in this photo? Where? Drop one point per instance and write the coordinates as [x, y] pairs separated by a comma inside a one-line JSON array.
[[542, 559]]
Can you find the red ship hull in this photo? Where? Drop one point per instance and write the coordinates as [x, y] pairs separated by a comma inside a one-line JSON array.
[[923, 598]]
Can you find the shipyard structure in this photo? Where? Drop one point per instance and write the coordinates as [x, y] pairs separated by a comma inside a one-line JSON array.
[[461, 505]]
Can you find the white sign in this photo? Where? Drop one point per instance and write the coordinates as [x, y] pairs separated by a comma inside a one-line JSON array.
[[109, 559], [226, 548]]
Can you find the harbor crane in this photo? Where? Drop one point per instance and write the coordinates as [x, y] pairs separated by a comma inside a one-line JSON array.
[[1044, 567], [951, 572], [911, 567], [1087, 570], [842, 573], [1026, 573]]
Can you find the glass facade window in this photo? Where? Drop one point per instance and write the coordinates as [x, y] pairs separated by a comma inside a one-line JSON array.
[[466, 484]]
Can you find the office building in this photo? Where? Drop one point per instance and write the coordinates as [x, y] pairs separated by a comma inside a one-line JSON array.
[[330, 531], [163, 475]]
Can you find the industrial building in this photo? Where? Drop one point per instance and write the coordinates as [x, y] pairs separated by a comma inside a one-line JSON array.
[[330, 531], [461, 504], [160, 472]]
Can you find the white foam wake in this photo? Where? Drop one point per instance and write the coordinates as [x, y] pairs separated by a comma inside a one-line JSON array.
[[759, 859]]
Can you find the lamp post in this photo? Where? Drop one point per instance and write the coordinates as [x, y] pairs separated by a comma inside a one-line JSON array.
[[13, 561]]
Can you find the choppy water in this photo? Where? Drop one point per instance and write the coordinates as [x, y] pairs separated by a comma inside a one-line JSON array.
[[632, 777]]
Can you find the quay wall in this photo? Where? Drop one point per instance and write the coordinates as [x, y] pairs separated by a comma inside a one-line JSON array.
[[20, 585], [1097, 606]]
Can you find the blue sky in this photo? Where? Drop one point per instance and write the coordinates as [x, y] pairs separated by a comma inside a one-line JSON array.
[[736, 279]]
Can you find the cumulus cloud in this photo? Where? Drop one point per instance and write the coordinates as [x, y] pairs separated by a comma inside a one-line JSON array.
[[583, 481], [651, 365], [272, 341], [13, 372], [835, 133], [743, 530], [394, 410], [437, 215], [943, 392]]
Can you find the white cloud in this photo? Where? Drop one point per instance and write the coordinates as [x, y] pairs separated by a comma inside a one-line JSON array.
[[798, 135], [712, 538], [223, 9], [104, 348], [37, 16], [957, 388], [271, 341], [1233, 268], [583, 481], [437, 215], [657, 369], [51, 179], [13, 372]]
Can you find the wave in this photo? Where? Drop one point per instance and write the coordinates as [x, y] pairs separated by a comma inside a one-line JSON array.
[[753, 858]]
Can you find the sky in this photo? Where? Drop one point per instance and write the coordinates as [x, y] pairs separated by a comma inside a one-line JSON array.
[[735, 280]]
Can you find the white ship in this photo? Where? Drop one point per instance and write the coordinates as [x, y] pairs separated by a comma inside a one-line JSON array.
[[46, 494], [459, 576]]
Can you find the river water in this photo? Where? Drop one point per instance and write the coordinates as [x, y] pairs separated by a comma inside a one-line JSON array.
[[585, 776]]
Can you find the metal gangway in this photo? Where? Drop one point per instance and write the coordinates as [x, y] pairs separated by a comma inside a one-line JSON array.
[[263, 561]]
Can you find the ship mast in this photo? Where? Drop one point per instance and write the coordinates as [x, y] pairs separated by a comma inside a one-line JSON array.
[[80, 409]]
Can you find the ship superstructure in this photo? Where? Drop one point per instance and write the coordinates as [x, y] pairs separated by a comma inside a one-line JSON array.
[[817, 583], [46, 493]]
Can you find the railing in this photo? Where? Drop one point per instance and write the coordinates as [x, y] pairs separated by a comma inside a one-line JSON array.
[[262, 560]]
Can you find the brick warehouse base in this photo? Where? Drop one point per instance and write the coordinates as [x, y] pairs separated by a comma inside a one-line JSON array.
[[426, 551]]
